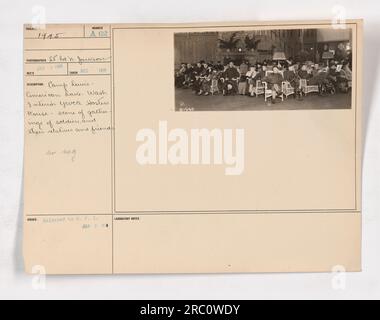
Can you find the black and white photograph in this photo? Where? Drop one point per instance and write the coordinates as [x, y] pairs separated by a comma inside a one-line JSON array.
[[285, 69]]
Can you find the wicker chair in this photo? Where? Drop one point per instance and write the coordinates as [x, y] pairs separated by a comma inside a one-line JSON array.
[[259, 89], [214, 86], [287, 89], [268, 92], [308, 88]]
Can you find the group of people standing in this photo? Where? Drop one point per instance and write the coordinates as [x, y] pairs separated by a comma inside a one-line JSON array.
[[206, 78]]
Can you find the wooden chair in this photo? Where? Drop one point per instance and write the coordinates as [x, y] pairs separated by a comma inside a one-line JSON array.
[[308, 88], [287, 89]]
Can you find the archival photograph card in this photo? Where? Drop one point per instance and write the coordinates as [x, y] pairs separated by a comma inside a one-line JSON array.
[[192, 148]]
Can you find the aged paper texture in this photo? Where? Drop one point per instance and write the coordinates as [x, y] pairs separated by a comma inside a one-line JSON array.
[[192, 148]]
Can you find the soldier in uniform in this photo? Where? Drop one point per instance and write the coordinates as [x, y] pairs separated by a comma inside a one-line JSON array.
[[231, 76], [274, 81], [197, 75]]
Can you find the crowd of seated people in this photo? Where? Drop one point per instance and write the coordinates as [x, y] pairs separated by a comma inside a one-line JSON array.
[[208, 78]]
